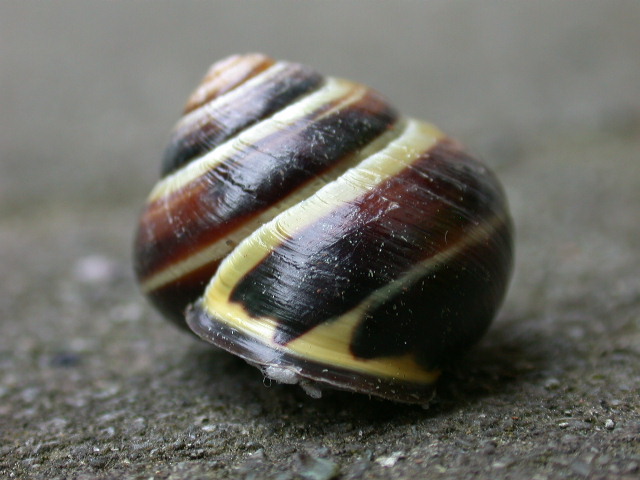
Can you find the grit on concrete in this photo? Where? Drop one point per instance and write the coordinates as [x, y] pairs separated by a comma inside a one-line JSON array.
[[94, 384]]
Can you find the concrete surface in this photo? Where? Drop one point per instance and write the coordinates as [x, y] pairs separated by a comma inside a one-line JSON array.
[[93, 384]]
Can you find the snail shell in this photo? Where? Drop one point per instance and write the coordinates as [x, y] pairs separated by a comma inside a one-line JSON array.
[[303, 224]]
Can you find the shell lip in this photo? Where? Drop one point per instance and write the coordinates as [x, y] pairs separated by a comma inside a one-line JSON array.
[[312, 376]]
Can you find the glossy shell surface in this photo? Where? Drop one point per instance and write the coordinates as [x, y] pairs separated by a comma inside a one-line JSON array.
[[305, 225]]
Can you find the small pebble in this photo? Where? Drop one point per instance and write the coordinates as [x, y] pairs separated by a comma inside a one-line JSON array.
[[489, 447], [391, 460], [314, 468], [65, 360], [609, 424], [551, 383], [94, 269]]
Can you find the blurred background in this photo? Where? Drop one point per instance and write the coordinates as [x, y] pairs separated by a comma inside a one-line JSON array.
[[93, 382], [89, 90]]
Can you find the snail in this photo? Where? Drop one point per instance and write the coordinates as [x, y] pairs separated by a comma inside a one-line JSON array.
[[306, 226]]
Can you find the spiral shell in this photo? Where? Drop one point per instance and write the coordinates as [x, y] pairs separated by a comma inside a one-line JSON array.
[[303, 224]]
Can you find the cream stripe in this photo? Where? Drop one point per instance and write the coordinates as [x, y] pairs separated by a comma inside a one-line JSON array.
[[332, 91], [329, 342], [222, 247], [417, 138]]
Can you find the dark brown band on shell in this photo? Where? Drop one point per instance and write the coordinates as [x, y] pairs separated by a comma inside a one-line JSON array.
[[214, 123], [325, 270], [245, 185]]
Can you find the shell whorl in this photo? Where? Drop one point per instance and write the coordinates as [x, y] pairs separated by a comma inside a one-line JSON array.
[[314, 214]]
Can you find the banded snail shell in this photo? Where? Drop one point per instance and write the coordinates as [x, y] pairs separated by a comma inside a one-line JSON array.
[[303, 224]]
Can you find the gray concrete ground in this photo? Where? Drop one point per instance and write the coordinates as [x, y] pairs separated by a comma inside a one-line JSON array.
[[93, 384]]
